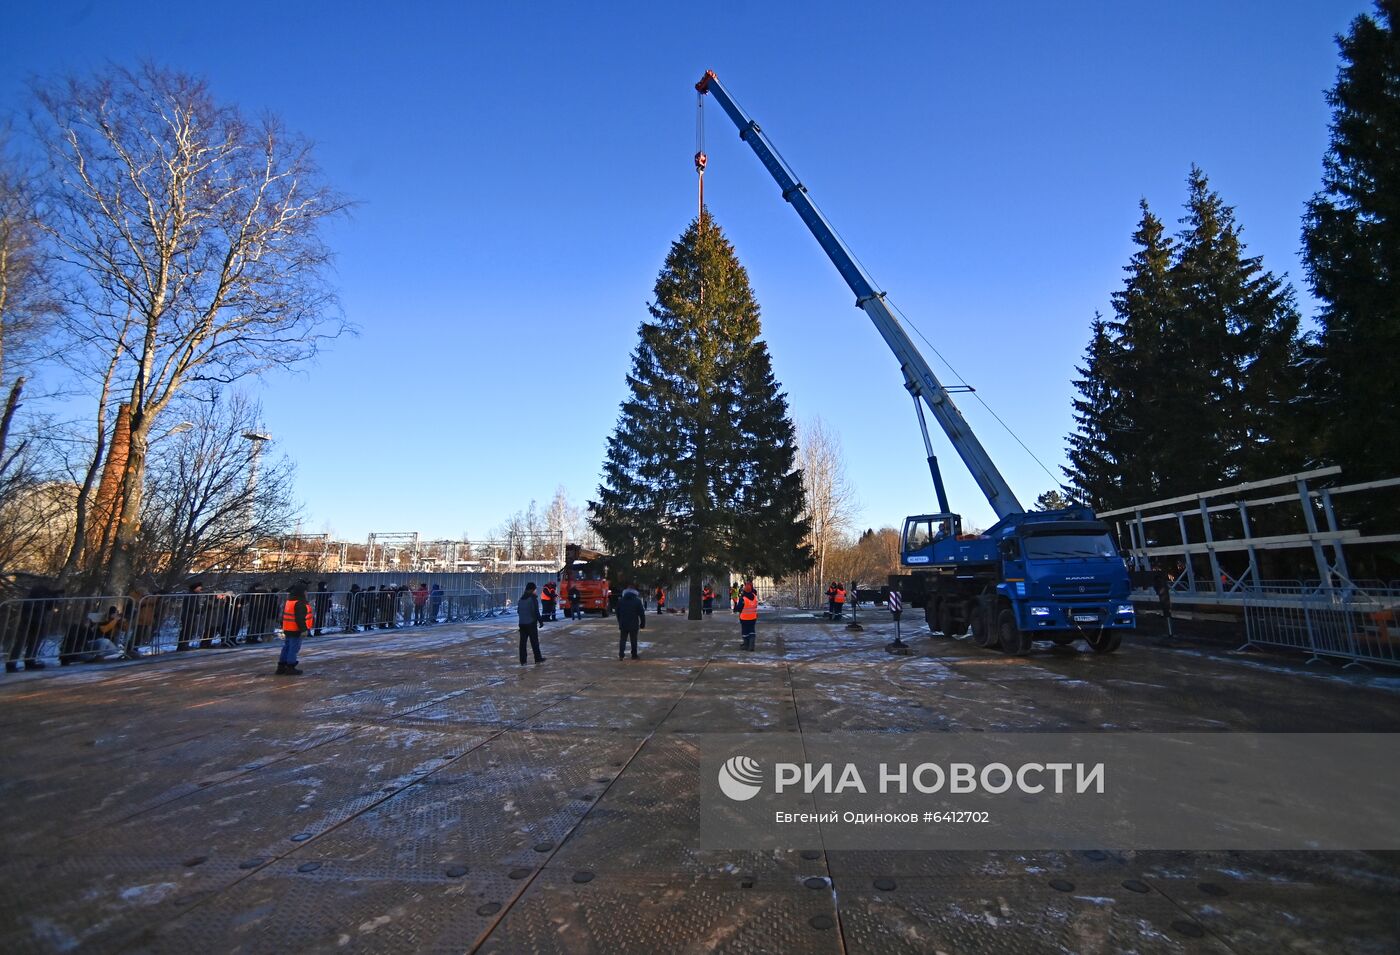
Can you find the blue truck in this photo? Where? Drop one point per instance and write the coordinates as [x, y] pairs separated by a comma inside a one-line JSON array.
[[1042, 575]]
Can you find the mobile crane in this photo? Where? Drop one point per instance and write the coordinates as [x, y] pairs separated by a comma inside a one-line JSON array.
[[1047, 575]]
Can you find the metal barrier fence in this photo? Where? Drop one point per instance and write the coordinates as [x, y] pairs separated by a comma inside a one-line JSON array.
[[73, 626], [68, 630], [458, 582], [1348, 622]]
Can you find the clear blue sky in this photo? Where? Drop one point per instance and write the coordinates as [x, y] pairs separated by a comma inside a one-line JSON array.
[[523, 168]]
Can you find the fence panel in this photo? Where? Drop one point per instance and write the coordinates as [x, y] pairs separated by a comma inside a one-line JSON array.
[[37, 632], [1347, 623], [68, 630]]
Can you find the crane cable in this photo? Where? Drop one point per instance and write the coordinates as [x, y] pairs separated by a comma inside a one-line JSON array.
[[946, 363], [700, 157], [973, 391], [700, 160]]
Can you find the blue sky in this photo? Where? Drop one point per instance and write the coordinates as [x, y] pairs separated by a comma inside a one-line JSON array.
[[522, 169]]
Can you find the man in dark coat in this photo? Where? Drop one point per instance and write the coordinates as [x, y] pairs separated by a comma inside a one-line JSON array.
[[631, 617], [353, 609], [321, 609], [528, 610]]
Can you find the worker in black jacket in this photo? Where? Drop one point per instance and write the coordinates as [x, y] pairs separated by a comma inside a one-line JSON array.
[[631, 617], [528, 610]]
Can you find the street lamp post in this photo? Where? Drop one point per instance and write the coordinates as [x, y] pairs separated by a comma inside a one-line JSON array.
[[257, 439]]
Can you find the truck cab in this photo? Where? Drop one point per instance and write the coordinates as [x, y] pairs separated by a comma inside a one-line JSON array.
[[1042, 575], [587, 571]]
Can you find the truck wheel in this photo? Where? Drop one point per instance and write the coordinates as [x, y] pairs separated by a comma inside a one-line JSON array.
[[946, 616], [982, 633], [1105, 641], [1013, 639]]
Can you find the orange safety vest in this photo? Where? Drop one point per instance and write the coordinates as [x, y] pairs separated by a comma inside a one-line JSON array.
[[749, 607], [840, 595], [289, 617]]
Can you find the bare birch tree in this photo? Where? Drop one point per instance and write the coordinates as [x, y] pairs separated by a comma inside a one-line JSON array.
[[200, 227], [28, 301], [209, 498], [830, 500]]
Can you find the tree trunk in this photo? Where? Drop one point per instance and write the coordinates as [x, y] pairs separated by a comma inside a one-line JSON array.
[[696, 610], [73, 564], [120, 569], [11, 406]]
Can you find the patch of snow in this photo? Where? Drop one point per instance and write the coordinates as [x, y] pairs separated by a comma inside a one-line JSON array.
[[376, 923], [148, 894]]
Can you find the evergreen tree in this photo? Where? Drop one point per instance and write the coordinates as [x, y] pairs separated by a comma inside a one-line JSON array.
[[1052, 500], [699, 477], [1124, 413], [1194, 381], [1239, 327], [1096, 461], [1351, 238], [1152, 370]]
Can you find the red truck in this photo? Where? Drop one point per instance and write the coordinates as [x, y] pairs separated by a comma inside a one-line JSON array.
[[586, 570]]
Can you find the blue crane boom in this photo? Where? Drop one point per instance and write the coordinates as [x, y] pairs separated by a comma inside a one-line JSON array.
[[918, 376]]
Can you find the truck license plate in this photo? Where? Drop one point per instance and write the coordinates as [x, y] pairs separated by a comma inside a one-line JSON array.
[[1086, 618]]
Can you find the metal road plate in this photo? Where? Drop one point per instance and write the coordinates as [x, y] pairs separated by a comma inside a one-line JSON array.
[[604, 713], [77, 900], [337, 907], [628, 840], [498, 802], [617, 914], [1258, 916], [1087, 916], [977, 865], [260, 813]]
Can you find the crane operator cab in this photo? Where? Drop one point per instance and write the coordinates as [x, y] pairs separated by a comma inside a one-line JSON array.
[[931, 538]]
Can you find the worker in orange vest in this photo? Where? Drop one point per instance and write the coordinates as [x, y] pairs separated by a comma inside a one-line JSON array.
[[548, 596], [748, 615], [839, 600], [831, 600], [707, 597], [660, 599], [296, 623]]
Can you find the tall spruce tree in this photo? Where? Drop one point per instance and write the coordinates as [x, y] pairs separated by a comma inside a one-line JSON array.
[[1154, 368], [1125, 414], [699, 477], [1351, 236], [1240, 327], [1097, 452], [1194, 381]]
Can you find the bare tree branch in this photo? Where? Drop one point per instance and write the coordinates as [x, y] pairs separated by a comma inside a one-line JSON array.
[[201, 225]]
